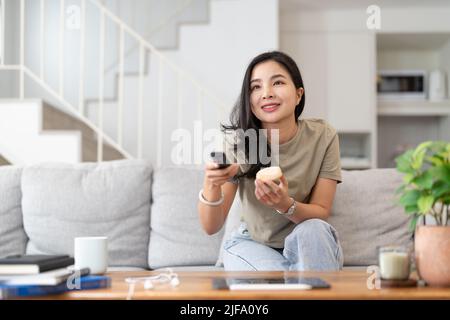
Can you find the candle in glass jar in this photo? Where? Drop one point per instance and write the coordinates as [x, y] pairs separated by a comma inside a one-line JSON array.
[[394, 263]]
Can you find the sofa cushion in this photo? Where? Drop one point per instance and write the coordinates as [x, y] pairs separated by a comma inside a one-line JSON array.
[[64, 201], [366, 215], [177, 238], [13, 239]]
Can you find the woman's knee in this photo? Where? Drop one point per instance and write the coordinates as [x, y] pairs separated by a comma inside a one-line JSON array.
[[310, 227], [233, 261], [310, 238], [253, 257], [312, 230]]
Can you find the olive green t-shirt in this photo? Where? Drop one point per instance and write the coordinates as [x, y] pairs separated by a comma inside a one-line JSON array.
[[312, 153]]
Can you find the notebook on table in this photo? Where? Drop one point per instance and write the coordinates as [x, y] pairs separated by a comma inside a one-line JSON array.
[[88, 282], [33, 264], [46, 278]]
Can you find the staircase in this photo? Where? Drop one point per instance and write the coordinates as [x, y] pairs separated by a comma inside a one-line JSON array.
[[4, 162], [108, 121], [161, 29], [32, 131], [23, 141]]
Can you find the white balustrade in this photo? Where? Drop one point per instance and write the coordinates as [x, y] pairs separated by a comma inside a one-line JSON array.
[[144, 48]]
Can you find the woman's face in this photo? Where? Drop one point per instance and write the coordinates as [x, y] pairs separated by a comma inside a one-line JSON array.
[[273, 95]]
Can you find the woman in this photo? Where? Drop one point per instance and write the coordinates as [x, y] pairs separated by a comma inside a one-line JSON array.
[[283, 225]]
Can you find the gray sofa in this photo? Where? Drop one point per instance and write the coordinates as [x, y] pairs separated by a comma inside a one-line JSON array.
[[150, 216]]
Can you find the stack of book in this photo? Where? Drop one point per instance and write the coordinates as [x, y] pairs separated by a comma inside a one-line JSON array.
[[37, 275]]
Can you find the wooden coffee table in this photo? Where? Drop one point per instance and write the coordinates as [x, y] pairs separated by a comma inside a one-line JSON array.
[[347, 284]]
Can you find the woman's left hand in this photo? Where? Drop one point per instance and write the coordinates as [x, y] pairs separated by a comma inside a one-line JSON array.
[[273, 195]]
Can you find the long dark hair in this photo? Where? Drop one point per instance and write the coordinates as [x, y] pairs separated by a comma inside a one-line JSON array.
[[242, 116]]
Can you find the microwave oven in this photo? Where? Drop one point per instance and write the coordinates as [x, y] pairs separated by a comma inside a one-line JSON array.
[[402, 84]]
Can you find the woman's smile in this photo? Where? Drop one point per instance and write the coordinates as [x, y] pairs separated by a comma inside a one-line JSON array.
[[270, 107]]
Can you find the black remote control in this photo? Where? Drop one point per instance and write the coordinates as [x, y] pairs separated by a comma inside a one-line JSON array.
[[220, 158]]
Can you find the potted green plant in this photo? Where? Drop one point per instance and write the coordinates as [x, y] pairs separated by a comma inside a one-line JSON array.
[[425, 191]]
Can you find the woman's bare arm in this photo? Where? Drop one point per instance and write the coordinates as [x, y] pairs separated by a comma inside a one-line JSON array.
[[320, 203], [212, 218]]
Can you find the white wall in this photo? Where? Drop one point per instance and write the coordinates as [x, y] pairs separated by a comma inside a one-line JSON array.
[[8, 79], [393, 20], [219, 53], [337, 62], [22, 140], [410, 59], [142, 15], [303, 35], [216, 54], [1, 32], [445, 63], [312, 37], [157, 21]]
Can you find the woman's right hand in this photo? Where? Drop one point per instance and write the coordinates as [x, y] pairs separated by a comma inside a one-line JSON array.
[[216, 177]]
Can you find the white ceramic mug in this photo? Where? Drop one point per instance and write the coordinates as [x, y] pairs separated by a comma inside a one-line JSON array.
[[92, 253]]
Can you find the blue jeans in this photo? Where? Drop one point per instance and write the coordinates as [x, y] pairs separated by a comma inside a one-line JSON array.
[[312, 245]]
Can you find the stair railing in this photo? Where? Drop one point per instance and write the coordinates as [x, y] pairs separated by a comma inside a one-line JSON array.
[[79, 110], [161, 24]]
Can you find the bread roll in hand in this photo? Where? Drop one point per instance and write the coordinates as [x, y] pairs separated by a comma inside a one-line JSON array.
[[270, 174]]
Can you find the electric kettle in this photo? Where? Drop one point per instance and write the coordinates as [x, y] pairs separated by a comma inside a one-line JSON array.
[[437, 90]]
